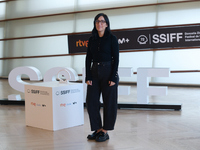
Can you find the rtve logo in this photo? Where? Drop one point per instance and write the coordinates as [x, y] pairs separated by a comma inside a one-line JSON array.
[[32, 103], [80, 43]]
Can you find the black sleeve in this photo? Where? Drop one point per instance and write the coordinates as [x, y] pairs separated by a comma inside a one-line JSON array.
[[115, 57], [88, 62]]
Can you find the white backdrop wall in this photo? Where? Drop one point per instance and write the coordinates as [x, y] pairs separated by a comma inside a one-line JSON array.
[[2, 11], [136, 17], [2, 15]]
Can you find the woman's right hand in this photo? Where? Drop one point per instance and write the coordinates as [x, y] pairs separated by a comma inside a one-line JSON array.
[[89, 82]]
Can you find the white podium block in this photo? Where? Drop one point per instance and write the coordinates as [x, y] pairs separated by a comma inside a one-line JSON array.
[[54, 105]]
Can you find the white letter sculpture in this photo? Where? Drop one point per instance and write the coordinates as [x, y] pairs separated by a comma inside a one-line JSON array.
[[16, 82], [143, 89], [51, 74]]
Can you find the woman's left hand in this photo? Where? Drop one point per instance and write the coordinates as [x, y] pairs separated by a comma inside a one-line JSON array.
[[111, 83]]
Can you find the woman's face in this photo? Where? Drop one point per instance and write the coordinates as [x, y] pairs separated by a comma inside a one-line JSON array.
[[100, 24]]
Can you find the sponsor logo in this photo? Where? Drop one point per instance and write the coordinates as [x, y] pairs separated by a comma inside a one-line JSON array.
[[38, 105], [80, 43], [32, 103], [63, 105], [142, 39], [67, 104], [123, 40]]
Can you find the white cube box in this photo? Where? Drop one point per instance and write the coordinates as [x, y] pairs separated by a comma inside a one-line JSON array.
[[54, 105]]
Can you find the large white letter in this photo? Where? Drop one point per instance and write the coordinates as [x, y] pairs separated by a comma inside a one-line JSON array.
[[15, 81], [143, 89], [51, 74]]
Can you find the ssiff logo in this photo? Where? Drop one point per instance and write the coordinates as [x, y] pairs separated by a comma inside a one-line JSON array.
[[65, 92]]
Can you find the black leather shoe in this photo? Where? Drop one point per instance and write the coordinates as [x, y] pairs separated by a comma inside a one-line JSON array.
[[102, 137], [93, 136]]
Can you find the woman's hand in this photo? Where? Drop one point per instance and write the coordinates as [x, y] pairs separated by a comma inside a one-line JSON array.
[[111, 83], [89, 82]]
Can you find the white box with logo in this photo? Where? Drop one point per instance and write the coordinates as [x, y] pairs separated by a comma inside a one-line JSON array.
[[54, 105]]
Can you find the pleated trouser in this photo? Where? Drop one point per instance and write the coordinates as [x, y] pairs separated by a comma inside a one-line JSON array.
[[100, 77]]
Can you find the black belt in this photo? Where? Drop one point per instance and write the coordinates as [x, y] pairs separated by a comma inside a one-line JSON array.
[[102, 63]]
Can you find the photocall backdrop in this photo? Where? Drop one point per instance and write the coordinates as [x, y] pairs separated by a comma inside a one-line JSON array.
[[140, 39]]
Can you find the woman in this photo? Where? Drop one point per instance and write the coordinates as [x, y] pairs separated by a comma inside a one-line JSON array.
[[102, 78]]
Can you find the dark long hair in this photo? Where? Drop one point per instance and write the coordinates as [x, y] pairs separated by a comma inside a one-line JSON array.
[[107, 30]]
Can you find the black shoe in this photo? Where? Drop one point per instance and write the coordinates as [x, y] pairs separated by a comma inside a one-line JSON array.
[[102, 137], [93, 136]]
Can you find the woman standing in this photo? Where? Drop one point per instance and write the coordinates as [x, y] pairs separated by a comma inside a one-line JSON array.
[[102, 61]]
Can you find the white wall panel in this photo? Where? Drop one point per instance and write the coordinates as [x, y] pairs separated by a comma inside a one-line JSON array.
[[133, 17], [135, 60], [37, 46], [122, 18], [2, 11], [97, 4], [179, 60], [78, 63], [186, 13], [25, 8], [84, 22], [41, 26], [1, 45], [1, 30]]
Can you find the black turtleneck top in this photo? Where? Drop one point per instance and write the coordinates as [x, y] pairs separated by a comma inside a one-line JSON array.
[[103, 49]]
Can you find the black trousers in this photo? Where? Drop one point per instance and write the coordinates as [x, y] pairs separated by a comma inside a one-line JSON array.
[[100, 78]]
